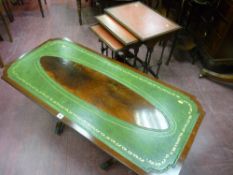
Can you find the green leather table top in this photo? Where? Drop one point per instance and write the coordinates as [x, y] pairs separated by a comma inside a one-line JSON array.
[[152, 150]]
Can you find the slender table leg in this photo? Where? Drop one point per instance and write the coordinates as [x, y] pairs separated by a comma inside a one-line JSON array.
[[41, 8], [8, 10], [79, 7], [148, 58], [172, 50], [136, 49], [6, 24], [145, 62], [104, 48], [1, 63], [106, 51], [160, 61], [113, 54]]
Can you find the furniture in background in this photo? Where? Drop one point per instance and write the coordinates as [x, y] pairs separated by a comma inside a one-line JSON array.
[[211, 25], [4, 20], [122, 27], [21, 2], [177, 11], [218, 41], [79, 8], [8, 11], [41, 7], [102, 3], [108, 3], [219, 77], [208, 29], [1, 62]]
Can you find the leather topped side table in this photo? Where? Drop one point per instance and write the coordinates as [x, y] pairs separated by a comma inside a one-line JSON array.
[[108, 41], [146, 24]]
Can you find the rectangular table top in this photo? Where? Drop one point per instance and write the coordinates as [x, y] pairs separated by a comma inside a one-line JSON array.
[[107, 37], [142, 21], [117, 30], [142, 122]]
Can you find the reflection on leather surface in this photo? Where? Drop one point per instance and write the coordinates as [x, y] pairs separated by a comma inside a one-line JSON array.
[[146, 24], [104, 93]]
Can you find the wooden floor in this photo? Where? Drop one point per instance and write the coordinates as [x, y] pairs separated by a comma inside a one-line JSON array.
[[28, 144]]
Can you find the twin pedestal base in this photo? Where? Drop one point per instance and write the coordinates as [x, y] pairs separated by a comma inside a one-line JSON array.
[[105, 165]]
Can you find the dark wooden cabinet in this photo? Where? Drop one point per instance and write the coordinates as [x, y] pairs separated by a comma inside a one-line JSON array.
[[219, 41]]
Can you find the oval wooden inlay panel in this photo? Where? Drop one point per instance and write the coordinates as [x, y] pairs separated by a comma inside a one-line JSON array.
[[103, 92]]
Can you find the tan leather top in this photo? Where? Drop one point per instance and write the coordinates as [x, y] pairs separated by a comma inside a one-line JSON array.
[[142, 21], [107, 37], [116, 29]]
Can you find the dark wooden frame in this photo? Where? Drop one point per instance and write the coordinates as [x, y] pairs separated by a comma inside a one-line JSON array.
[[95, 141]]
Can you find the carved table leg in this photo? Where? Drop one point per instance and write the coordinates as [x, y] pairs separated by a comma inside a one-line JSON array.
[[59, 128], [79, 7]]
